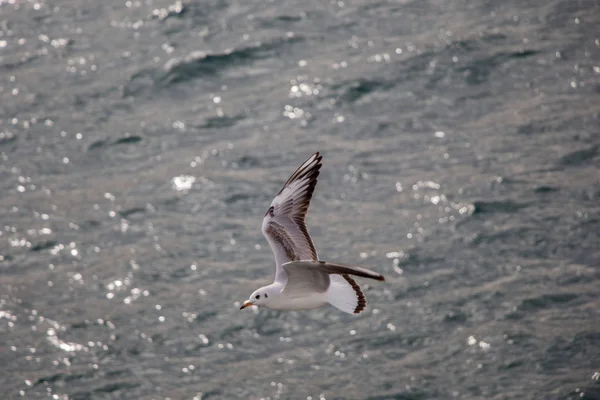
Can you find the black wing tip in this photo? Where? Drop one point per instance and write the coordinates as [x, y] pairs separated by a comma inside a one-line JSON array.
[[317, 156], [314, 161], [312, 170], [361, 303], [361, 300]]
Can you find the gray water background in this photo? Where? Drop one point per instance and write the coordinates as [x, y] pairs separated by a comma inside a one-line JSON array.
[[142, 141]]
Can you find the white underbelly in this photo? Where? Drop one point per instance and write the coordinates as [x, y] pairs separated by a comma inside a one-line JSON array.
[[299, 303]]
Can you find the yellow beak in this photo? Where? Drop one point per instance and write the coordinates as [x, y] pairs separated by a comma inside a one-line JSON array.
[[247, 303]]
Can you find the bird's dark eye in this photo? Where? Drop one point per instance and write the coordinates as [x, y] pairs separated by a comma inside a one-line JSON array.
[[257, 296], [266, 296]]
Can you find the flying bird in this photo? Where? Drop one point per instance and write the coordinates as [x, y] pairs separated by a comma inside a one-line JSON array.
[[302, 281]]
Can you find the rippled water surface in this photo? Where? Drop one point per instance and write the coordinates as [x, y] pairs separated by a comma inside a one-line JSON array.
[[142, 141]]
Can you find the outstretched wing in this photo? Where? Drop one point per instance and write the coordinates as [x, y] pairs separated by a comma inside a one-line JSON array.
[[326, 267], [283, 225]]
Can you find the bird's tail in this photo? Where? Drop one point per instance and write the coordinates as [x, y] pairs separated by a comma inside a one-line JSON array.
[[345, 294]]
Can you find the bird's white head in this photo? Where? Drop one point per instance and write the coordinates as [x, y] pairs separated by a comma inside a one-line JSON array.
[[261, 297]]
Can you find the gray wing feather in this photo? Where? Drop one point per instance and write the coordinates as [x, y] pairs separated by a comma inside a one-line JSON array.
[[332, 268], [283, 224], [303, 280]]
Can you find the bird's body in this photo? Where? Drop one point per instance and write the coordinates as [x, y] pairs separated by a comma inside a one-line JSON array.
[[285, 302], [302, 281]]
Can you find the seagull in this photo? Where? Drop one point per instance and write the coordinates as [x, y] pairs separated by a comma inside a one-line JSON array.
[[302, 281]]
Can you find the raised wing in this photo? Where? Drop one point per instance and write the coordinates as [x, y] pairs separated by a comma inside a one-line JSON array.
[[284, 225]]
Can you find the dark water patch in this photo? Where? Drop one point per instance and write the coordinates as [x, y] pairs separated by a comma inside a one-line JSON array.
[[522, 54], [393, 353], [237, 197], [115, 387], [139, 82], [121, 373], [578, 157], [27, 60], [7, 137], [128, 140], [583, 346], [90, 224], [114, 390], [180, 274], [575, 278], [414, 340], [202, 317], [545, 189], [81, 396], [132, 211], [351, 92], [80, 325], [455, 316], [289, 18], [516, 363], [202, 64], [280, 21], [591, 392], [494, 38], [98, 144], [64, 377], [546, 301], [535, 128], [528, 129], [43, 245], [462, 46], [590, 193], [169, 202], [472, 68], [522, 339], [478, 70], [248, 162], [561, 123], [465, 46], [411, 68], [489, 207], [221, 122], [234, 330], [213, 394]]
